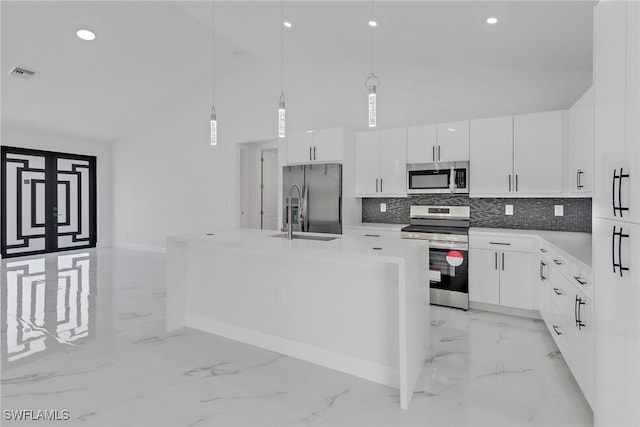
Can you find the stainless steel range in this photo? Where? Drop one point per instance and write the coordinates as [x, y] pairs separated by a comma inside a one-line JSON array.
[[447, 229]]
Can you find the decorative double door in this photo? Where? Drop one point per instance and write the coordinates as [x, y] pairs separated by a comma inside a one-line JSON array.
[[48, 201]]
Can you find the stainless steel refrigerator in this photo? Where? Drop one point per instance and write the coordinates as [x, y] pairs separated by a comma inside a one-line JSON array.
[[319, 210]]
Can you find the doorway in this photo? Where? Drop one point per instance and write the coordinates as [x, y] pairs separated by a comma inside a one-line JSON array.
[[258, 185], [48, 202]]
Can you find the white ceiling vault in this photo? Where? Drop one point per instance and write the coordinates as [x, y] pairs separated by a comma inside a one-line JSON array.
[[150, 54]]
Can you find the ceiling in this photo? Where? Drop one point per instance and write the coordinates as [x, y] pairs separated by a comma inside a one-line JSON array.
[[148, 55]]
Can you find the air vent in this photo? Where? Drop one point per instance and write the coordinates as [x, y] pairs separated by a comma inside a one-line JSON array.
[[22, 73]]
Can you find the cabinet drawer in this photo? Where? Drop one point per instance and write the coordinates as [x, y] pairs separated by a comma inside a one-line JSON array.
[[372, 233], [580, 276], [501, 243]]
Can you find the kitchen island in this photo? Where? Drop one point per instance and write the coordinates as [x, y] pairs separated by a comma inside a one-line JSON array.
[[356, 305]]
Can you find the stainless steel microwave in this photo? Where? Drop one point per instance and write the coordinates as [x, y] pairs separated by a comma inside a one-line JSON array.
[[438, 178]]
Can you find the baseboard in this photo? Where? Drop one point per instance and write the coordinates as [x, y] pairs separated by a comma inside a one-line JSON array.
[[361, 368], [531, 314]]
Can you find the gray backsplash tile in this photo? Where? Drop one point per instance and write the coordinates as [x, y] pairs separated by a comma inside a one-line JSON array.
[[534, 214]]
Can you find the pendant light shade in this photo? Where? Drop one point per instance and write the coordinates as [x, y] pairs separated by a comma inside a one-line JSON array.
[[281, 118], [214, 127]]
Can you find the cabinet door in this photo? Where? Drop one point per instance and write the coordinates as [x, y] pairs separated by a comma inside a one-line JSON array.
[[367, 157], [580, 171], [537, 152], [453, 142], [484, 276], [491, 156], [516, 279], [328, 145], [421, 144], [609, 76], [300, 147], [581, 341], [393, 162]]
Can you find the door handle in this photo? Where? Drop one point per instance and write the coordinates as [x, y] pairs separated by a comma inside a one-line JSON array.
[[310, 153], [516, 182], [381, 185], [502, 261], [577, 305], [438, 153], [433, 153], [314, 153], [618, 208], [578, 180], [621, 236], [509, 182], [376, 185], [496, 259]]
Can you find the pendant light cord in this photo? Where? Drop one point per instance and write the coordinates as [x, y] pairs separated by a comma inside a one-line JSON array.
[[213, 57], [282, 46], [372, 35]]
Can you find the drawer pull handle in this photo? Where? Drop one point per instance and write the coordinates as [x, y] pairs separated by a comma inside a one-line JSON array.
[[577, 279], [558, 291], [500, 243], [555, 328], [372, 235], [544, 251], [558, 262]]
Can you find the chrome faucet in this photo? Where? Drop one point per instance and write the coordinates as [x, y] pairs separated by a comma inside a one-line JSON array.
[[290, 219]]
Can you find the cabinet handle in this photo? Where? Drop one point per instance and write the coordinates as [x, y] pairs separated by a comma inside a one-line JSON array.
[[433, 153], [619, 207], [509, 182], [496, 259], [558, 291], [542, 266], [558, 262], [381, 185], [371, 235], [500, 243], [577, 305], [502, 261], [516, 182], [376, 185], [439, 153], [578, 180], [544, 251], [555, 329], [577, 279], [314, 153], [618, 264], [310, 153]]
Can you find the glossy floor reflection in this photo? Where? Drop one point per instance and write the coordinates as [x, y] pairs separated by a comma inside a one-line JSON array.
[[85, 334]]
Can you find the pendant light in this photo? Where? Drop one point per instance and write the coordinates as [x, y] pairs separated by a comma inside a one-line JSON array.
[[281, 109], [214, 119], [372, 83]]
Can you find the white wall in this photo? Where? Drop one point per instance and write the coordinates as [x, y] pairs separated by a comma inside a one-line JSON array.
[[14, 136], [168, 180]]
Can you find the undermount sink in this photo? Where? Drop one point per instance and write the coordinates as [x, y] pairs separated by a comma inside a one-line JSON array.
[[306, 237]]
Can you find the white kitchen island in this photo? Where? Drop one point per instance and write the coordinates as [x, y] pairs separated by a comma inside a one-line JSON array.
[[357, 305]]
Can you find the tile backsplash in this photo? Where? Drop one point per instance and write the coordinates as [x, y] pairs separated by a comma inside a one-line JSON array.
[[533, 214]]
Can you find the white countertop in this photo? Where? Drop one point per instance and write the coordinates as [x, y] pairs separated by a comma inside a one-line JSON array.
[[263, 240], [576, 245]]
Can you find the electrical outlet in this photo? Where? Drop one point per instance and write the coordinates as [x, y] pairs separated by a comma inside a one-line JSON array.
[[558, 210], [383, 207], [508, 209], [282, 299]]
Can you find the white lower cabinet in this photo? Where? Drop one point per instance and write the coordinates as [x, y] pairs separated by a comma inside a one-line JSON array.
[[500, 271]]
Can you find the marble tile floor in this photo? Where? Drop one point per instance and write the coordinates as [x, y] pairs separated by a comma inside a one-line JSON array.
[[83, 332]]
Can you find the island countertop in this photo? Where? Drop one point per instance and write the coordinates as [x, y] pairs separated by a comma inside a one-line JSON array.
[[343, 245]]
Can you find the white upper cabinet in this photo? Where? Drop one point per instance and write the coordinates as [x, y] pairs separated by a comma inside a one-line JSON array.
[[491, 149], [421, 144], [453, 142], [517, 155], [537, 152], [318, 146], [580, 158], [381, 163], [444, 142]]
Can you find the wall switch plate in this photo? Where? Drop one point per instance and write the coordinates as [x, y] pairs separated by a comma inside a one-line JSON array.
[[383, 207], [508, 209], [558, 210]]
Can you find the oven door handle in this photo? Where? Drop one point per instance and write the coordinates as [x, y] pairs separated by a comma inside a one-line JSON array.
[[448, 245]]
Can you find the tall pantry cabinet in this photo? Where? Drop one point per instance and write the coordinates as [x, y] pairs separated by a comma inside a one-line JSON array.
[[616, 210]]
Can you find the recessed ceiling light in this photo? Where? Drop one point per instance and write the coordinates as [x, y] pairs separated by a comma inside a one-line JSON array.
[[492, 20], [451, 129], [287, 24], [86, 35], [373, 23]]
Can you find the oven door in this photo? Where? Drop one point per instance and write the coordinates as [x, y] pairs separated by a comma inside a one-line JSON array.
[[425, 181], [449, 266]]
